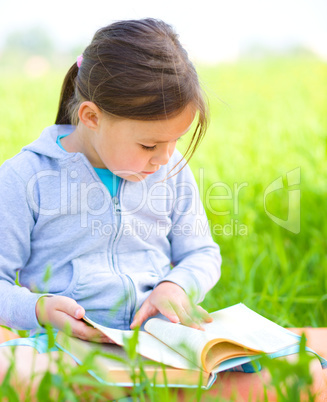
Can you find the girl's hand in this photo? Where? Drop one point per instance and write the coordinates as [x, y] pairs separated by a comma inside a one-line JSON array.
[[62, 312], [171, 300]]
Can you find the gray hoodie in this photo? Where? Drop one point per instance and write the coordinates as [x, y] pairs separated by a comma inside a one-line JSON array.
[[65, 235]]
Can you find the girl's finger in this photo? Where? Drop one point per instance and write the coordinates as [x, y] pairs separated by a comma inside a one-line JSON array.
[[146, 311], [70, 307], [63, 321], [85, 332], [105, 339], [189, 320], [170, 312], [205, 316], [197, 313]]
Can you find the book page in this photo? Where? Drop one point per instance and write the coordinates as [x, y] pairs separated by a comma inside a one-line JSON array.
[[114, 368], [148, 346], [245, 327], [188, 341], [220, 352], [237, 324]]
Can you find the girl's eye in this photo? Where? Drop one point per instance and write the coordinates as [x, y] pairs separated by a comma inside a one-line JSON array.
[[154, 147], [149, 148]]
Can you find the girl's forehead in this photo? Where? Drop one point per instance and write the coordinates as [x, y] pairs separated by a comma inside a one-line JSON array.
[[166, 130]]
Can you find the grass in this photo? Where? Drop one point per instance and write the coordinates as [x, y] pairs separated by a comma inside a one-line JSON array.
[[268, 117], [273, 121]]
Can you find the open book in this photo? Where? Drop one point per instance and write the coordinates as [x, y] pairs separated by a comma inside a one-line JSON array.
[[235, 337]]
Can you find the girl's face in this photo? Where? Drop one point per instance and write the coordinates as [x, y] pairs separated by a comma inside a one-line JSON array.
[[134, 149]]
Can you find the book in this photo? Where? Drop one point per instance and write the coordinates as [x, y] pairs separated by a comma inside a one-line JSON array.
[[179, 356]]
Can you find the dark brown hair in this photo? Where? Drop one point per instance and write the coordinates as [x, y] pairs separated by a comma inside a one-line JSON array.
[[135, 69]]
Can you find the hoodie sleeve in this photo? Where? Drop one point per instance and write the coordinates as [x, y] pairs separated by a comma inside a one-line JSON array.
[[194, 255], [17, 304]]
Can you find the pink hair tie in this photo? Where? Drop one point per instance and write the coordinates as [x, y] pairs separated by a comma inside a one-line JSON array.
[[79, 60]]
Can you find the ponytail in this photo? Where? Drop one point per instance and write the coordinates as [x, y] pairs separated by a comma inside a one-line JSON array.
[[67, 96]]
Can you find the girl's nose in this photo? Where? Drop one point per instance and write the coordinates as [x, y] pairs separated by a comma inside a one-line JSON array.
[[163, 154]]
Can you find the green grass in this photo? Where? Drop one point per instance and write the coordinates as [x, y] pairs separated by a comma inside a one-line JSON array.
[[273, 120], [268, 117]]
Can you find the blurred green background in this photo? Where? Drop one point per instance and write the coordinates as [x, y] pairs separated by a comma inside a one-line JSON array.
[[268, 117]]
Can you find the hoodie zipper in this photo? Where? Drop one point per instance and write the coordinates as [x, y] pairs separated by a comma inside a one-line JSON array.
[[117, 218], [116, 212], [117, 209], [131, 285]]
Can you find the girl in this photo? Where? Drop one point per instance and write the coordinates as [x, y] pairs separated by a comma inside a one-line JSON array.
[[101, 214]]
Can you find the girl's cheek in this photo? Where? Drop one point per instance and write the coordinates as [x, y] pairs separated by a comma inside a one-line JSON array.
[[172, 149]]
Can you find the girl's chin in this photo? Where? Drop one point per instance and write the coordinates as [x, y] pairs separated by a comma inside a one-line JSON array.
[[135, 177]]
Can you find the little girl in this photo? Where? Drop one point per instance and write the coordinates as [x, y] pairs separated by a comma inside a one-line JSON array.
[[101, 215]]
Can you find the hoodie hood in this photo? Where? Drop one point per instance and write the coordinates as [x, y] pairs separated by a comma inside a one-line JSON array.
[[46, 144]]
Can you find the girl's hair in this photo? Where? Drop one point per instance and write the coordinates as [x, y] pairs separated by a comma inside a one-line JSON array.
[[135, 69]]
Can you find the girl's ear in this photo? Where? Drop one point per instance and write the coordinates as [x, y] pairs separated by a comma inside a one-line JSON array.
[[89, 115]]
